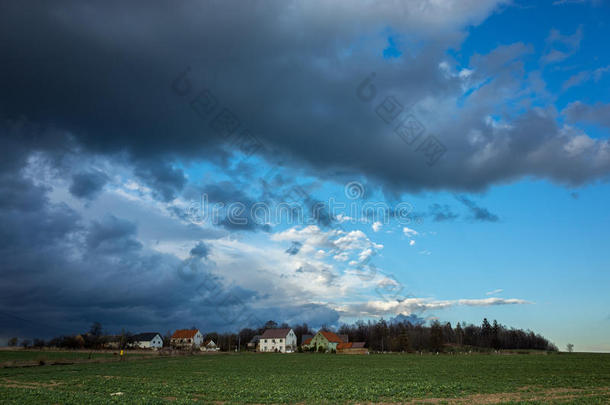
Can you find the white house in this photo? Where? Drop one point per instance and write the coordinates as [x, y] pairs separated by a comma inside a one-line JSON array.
[[278, 340], [209, 346], [183, 338], [149, 340]]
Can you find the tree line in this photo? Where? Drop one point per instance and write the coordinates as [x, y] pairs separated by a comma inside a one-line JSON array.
[[382, 335], [439, 337]]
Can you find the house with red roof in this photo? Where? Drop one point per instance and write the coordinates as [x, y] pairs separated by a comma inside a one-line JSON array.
[[186, 338], [329, 341], [323, 339], [281, 340]]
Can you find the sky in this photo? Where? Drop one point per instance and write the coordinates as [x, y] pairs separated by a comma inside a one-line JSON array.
[[220, 164]]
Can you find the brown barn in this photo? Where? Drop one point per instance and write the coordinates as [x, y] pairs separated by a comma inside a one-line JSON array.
[[352, 348]]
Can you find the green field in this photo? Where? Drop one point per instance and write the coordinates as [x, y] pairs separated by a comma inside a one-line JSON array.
[[317, 378]]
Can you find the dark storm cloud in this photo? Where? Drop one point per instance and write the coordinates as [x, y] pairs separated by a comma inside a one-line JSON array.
[[61, 273], [477, 213], [88, 184], [229, 206], [113, 234], [82, 273], [296, 93], [166, 180]]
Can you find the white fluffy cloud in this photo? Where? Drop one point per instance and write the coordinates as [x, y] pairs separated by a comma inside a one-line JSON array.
[[407, 306], [409, 232]]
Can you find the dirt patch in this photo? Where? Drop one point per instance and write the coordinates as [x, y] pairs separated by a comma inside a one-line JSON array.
[[523, 394], [67, 362], [7, 383]]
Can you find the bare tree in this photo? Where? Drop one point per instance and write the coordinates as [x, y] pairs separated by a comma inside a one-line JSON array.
[[570, 347], [96, 329]]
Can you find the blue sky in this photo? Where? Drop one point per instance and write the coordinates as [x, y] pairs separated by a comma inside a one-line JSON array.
[[481, 129]]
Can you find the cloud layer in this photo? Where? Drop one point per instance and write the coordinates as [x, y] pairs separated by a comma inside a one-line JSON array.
[[295, 92], [105, 105]]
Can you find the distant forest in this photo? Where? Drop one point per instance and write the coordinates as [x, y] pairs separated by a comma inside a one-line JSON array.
[[404, 336], [382, 336]]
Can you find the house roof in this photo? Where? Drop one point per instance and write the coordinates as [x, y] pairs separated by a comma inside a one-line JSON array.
[[275, 333], [207, 342], [308, 341], [185, 333], [255, 339], [350, 345], [331, 337], [145, 337]]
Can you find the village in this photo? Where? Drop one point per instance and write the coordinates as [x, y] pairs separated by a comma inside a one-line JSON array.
[[272, 340]]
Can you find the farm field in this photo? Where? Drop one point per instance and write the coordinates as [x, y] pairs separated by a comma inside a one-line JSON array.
[[20, 356], [317, 378]]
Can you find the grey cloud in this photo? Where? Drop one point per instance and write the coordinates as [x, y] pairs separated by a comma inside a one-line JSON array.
[[201, 250], [322, 272], [112, 234], [561, 47], [413, 319], [294, 248], [236, 207], [88, 184], [167, 181], [477, 213], [17, 193], [584, 76], [442, 213], [598, 113]]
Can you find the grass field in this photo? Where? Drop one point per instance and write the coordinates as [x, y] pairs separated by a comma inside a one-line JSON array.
[[317, 378]]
